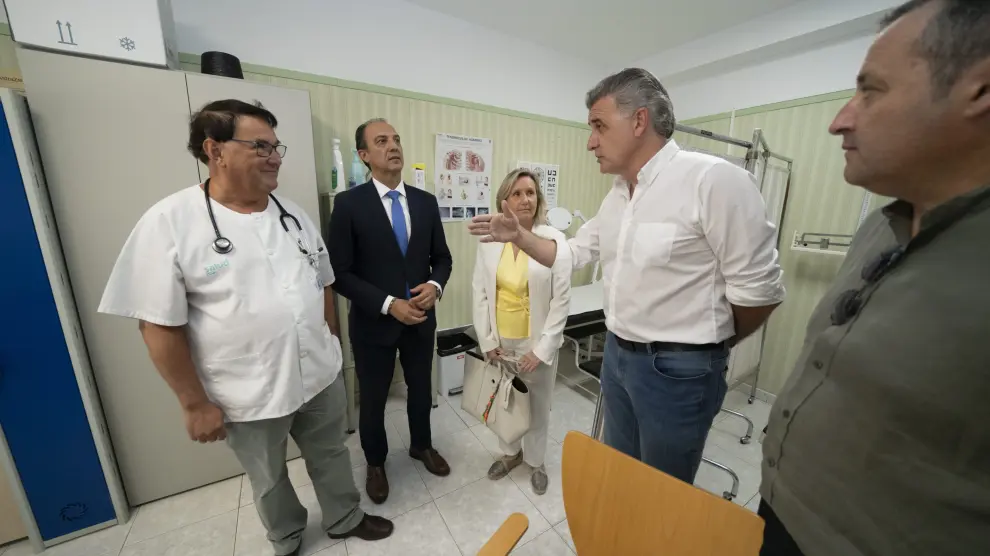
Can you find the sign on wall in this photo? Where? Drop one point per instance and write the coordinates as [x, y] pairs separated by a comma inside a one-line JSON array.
[[462, 178], [547, 176]]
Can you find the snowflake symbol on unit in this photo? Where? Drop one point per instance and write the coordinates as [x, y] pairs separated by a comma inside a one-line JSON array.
[[127, 44]]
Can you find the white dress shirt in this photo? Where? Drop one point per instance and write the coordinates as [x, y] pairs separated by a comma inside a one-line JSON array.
[[254, 317], [693, 239], [387, 203]]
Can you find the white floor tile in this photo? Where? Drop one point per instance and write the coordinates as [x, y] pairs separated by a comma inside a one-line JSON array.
[[751, 453], [488, 439], [547, 544], [564, 530], [475, 512], [336, 550], [252, 538], [184, 509], [569, 411], [468, 460], [407, 491], [716, 481], [443, 421], [106, 542], [212, 537], [551, 503], [298, 476], [754, 504], [420, 532]]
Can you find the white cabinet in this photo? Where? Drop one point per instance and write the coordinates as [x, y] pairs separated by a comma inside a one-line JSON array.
[[140, 31]]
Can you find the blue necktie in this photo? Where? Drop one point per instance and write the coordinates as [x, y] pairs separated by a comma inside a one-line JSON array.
[[399, 227]]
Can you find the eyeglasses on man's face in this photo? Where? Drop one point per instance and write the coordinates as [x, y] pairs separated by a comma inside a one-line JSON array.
[[264, 148]]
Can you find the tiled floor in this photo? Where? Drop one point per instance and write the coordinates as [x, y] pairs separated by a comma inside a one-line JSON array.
[[453, 515]]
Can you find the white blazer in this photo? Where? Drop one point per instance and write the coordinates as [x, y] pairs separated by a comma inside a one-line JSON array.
[[549, 296]]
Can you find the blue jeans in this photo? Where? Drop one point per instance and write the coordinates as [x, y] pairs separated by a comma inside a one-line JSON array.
[[659, 406]]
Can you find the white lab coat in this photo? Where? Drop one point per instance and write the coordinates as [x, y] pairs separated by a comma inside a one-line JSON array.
[[549, 297], [254, 316]]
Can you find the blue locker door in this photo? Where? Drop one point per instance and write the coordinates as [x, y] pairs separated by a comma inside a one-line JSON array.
[[41, 410]]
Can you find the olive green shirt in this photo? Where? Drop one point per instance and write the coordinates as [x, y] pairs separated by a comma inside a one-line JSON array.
[[879, 444]]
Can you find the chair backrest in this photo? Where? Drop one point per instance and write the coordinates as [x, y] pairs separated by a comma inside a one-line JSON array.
[[618, 505]]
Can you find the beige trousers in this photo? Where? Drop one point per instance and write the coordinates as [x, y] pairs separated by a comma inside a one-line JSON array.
[[534, 443]]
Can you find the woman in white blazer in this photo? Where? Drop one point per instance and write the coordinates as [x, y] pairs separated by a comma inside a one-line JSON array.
[[520, 308]]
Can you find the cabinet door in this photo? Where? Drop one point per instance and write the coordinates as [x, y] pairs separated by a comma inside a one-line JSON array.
[[11, 526], [297, 177], [113, 141]]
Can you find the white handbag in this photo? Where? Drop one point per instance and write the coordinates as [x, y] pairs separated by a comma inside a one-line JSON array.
[[497, 397]]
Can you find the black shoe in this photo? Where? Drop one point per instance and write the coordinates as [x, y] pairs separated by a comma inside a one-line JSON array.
[[432, 460], [371, 528], [376, 484], [294, 552]]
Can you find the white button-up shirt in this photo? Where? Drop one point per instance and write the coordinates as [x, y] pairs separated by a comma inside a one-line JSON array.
[[254, 316], [387, 203], [693, 239]]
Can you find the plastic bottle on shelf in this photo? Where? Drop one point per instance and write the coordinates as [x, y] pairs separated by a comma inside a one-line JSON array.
[[337, 178], [357, 169]]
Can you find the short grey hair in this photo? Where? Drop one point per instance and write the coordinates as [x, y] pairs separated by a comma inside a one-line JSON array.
[[636, 88], [956, 38]]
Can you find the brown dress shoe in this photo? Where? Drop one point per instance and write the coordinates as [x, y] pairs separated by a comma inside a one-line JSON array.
[[433, 461], [377, 484], [371, 528]]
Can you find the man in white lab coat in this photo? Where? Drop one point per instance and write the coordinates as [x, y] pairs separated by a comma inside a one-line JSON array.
[[231, 288]]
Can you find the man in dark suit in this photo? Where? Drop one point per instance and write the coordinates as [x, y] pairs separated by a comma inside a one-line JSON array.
[[388, 250]]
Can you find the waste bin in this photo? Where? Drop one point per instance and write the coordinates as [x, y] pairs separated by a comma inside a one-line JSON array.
[[452, 344]]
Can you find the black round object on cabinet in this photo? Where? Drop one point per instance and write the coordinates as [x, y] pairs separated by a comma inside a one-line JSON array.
[[221, 63]]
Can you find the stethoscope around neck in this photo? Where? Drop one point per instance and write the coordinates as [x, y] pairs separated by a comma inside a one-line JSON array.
[[222, 245]]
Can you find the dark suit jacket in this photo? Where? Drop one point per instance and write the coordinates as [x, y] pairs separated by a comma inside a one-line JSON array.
[[369, 265]]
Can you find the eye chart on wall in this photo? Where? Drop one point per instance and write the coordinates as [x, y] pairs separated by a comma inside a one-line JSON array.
[[463, 175], [547, 176]]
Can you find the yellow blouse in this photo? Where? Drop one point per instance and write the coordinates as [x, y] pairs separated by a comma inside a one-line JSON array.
[[512, 295]]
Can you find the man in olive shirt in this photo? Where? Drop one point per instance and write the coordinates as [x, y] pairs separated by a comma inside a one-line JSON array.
[[880, 441]]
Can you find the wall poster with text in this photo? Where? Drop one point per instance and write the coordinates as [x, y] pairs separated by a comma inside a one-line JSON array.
[[462, 179]]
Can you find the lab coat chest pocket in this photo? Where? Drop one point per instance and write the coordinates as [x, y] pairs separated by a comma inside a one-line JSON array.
[[239, 382], [653, 243]]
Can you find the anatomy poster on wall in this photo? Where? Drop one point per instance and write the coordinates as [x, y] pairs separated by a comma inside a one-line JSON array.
[[463, 174], [547, 175]]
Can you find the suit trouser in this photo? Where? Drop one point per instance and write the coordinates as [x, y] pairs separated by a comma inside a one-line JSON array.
[[374, 366], [318, 429], [534, 443]]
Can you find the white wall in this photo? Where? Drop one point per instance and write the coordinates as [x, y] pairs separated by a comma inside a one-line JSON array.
[[391, 43], [810, 48], [826, 69]]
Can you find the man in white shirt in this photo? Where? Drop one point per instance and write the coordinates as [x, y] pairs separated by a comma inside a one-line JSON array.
[[689, 267], [231, 287]]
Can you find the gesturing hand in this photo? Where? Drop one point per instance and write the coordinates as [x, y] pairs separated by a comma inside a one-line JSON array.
[[406, 313], [204, 423], [528, 363], [425, 296], [503, 227]]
